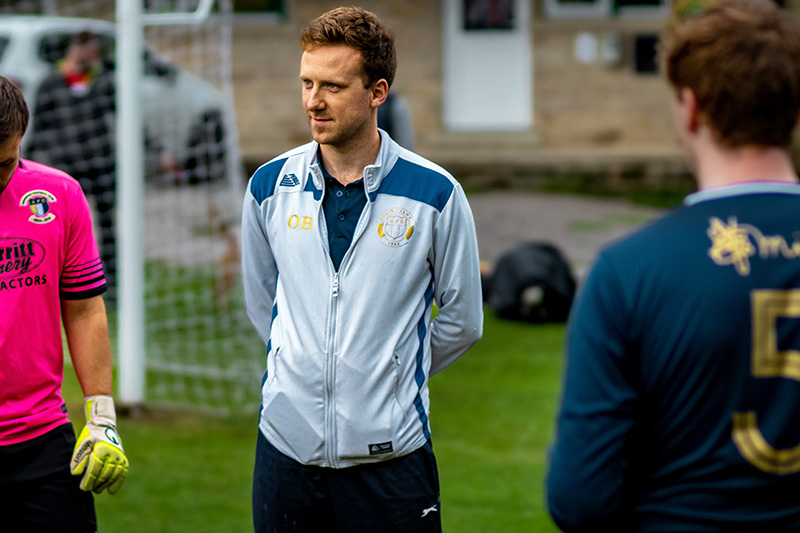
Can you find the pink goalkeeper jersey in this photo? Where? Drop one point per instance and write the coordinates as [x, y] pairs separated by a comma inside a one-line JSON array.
[[47, 254]]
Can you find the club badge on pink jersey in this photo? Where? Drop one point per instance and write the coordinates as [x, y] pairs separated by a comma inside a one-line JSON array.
[[38, 201]]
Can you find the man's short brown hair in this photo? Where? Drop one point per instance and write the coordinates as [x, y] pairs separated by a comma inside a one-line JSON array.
[[741, 59], [83, 38], [14, 113], [359, 29]]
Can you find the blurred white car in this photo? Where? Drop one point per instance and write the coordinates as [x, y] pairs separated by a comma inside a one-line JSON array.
[[182, 112]]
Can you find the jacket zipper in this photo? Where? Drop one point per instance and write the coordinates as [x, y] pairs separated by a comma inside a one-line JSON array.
[[330, 356], [329, 369], [330, 376]]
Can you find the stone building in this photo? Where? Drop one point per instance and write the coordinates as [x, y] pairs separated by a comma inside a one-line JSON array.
[[560, 85], [497, 88]]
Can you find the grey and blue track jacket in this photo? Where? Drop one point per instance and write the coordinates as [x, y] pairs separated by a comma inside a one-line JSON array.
[[349, 353]]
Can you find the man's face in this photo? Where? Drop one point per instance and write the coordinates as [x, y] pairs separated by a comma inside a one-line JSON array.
[[9, 160], [338, 106], [85, 56]]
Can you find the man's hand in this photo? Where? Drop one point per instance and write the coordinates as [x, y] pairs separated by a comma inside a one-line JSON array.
[[99, 450]]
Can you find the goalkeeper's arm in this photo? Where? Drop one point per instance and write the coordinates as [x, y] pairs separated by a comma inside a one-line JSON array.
[[98, 455]]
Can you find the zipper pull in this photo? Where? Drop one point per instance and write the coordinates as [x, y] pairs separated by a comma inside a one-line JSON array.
[[335, 292]]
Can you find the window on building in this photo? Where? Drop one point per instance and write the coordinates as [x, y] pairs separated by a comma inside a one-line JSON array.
[[642, 8], [645, 53], [259, 12], [259, 7], [562, 9], [488, 14]]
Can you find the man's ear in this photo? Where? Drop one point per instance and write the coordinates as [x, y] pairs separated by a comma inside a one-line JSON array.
[[380, 90], [688, 112]]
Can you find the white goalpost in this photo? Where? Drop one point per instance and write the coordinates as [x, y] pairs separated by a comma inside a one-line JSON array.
[[179, 324], [130, 186], [199, 349]]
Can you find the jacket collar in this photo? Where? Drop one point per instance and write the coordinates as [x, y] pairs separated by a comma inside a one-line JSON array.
[[373, 174]]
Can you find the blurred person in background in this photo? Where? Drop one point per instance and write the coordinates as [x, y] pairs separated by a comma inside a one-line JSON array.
[[50, 274], [679, 407], [73, 131], [394, 117], [348, 242]]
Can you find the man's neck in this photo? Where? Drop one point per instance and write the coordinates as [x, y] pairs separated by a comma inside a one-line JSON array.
[[718, 166], [347, 163]]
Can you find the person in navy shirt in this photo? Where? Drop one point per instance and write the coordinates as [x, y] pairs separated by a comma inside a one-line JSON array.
[[680, 399]]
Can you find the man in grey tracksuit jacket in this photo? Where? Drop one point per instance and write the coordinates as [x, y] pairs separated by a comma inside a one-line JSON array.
[[350, 352], [348, 242]]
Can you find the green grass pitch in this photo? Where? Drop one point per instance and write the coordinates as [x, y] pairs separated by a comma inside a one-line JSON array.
[[492, 419]]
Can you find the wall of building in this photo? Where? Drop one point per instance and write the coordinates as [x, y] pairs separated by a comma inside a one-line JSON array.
[[602, 102], [586, 110]]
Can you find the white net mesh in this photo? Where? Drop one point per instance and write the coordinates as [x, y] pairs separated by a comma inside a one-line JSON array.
[[201, 350]]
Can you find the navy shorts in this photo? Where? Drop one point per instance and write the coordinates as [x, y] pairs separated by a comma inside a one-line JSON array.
[[398, 495], [38, 494]]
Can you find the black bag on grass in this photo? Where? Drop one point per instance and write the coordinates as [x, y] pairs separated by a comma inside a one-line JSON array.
[[533, 283]]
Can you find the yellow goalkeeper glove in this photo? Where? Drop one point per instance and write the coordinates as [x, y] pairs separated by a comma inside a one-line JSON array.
[[99, 451]]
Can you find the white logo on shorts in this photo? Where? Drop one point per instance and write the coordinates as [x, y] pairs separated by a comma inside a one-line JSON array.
[[429, 510]]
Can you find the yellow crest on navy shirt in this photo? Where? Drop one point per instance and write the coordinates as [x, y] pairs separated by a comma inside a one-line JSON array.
[[395, 227], [38, 202], [735, 243]]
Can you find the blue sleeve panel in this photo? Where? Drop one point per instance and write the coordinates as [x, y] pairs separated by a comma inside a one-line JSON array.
[[265, 179], [417, 183]]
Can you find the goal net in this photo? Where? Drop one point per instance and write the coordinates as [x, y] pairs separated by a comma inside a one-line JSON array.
[[201, 351]]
